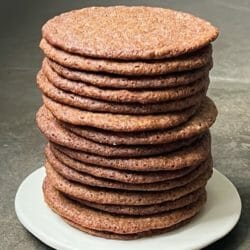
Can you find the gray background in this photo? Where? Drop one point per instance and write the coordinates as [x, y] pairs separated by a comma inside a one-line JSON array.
[[21, 144]]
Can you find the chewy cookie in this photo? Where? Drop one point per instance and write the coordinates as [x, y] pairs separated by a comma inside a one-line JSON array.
[[73, 175], [147, 209], [117, 122], [58, 134], [142, 96], [196, 60], [197, 124], [101, 221], [87, 103], [189, 156], [129, 82], [114, 236], [122, 197], [116, 174], [122, 32]]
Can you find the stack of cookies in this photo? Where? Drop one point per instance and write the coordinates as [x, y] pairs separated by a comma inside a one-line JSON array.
[[127, 118]]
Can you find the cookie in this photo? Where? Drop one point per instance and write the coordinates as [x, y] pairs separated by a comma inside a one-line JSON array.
[[103, 221], [189, 156], [129, 82], [117, 122], [147, 209], [119, 175], [89, 104], [54, 132], [114, 236], [82, 178], [130, 33], [196, 60], [141, 96], [197, 124], [122, 197]]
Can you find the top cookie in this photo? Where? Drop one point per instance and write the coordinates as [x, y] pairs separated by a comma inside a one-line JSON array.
[[129, 33]]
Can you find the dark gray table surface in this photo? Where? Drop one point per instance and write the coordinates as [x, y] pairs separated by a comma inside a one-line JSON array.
[[21, 144]]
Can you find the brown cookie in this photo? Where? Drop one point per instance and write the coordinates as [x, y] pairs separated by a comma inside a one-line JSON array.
[[146, 209], [114, 236], [117, 122], [196, 60], [122, 197], [122, 32], [189, 156], [54, 132], [102, 221], [197, 124], [89, 104], [142, 96], [119, 175], [129, 82], [86, 179]]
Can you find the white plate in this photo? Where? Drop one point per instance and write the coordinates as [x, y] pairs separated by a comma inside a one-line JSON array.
[[219, 216]]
